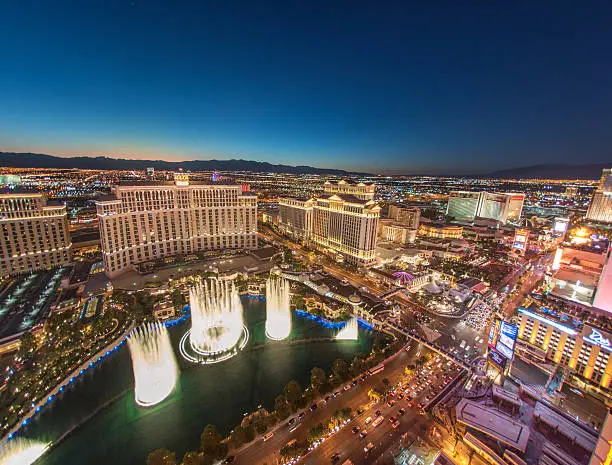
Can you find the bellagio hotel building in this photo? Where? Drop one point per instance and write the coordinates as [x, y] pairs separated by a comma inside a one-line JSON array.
[[147, 222], [33, 235]]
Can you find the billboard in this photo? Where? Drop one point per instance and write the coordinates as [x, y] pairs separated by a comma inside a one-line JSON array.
[[497, 360], [560, 225]]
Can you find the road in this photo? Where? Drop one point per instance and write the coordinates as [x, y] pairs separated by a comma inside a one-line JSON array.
[[260, 452]]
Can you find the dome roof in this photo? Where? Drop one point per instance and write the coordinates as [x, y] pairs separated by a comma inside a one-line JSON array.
[[432, 288]]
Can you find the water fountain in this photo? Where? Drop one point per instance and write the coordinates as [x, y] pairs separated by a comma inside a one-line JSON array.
[[153, 362], [278, 313], [21, 451], [350, 332], [217, 329]]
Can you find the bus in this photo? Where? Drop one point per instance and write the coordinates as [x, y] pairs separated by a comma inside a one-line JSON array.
[[378, 421], [377, 369]]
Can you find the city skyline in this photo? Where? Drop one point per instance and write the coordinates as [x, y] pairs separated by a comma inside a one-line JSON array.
[[398, 90]]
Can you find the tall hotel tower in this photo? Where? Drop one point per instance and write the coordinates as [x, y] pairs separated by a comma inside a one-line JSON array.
[[344, 220], [33, 235], [151, 221], [600, 209]]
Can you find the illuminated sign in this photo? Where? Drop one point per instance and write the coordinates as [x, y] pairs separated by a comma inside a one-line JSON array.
[[598, 339], [497, 360], [505, 340], [561, 225], [504, 350], [509, 330]]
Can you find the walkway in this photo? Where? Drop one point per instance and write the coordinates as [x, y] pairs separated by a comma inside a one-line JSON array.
[[431, 345]]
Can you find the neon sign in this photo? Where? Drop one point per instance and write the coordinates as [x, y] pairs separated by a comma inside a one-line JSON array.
[[598, 339]]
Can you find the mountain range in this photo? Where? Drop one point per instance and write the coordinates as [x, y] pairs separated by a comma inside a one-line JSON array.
[[35, 160]]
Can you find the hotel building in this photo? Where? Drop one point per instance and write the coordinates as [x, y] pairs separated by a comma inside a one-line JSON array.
[[502, 207], [33, 235], [600, 209], [147, 222], [440, 231], [584, 351], [296, 217], [406, 216], [342, 220]]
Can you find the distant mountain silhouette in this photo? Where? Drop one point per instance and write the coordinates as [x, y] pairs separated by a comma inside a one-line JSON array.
[[36, 160], [552, 171]]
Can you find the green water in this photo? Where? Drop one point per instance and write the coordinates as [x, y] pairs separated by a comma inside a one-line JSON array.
[[122, 433]]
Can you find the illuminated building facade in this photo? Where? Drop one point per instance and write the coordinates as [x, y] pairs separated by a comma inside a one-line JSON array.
[[407, 216], [521, 238], [398, 233], [360, 190], [603, 293], [585, 352], [33, 235], [343, 220], [463, 205], [440, 231], [502, 207], [600, 209], [152, 221], [295, 217]]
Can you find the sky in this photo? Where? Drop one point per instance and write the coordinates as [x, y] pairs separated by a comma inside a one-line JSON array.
[[443, 87]]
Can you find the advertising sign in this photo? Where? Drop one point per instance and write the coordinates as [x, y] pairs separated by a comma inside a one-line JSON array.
[[504, 350], [497, 360]]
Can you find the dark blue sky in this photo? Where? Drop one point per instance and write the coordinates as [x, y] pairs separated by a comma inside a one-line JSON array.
[[445, 87]]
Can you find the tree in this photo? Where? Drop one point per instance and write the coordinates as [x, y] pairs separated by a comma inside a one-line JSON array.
[[178, 299], [282, 408], [161, 457], [238, 436], [27, 344], [211, 442], [293, 393], [409, 370], [339, 370], [358, 365], [317, 379], [193, 458], [374, 395]]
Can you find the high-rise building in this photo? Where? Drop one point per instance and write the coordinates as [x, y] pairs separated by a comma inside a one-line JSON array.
[[295, 217], [343, 220], [502, 207], [407, 216], [33, 235], [603, 294], [463, 205], [600, 209], [151, 221], [360, 190]]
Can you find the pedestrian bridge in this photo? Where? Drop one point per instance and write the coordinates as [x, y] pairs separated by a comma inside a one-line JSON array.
[[431, 345]]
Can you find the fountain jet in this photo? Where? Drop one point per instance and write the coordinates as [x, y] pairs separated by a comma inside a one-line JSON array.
[[21, 451], [153, 362], [216, 317], [278, 314], [350, 332]]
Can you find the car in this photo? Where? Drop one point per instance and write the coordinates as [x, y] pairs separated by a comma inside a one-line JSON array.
[[268, 436], [421, 405], [335, 394], [291, 421], [327, 398], [402, 411], [363, 434], [335, 458], [377, 414], [355, 429], [400, 396], [229, 459], [354, 383], [368, 448], [313, 407], [391, 403], [360, 411], [347, 387], [395, 424], [393, 419], [301, 415], [368, 420]]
